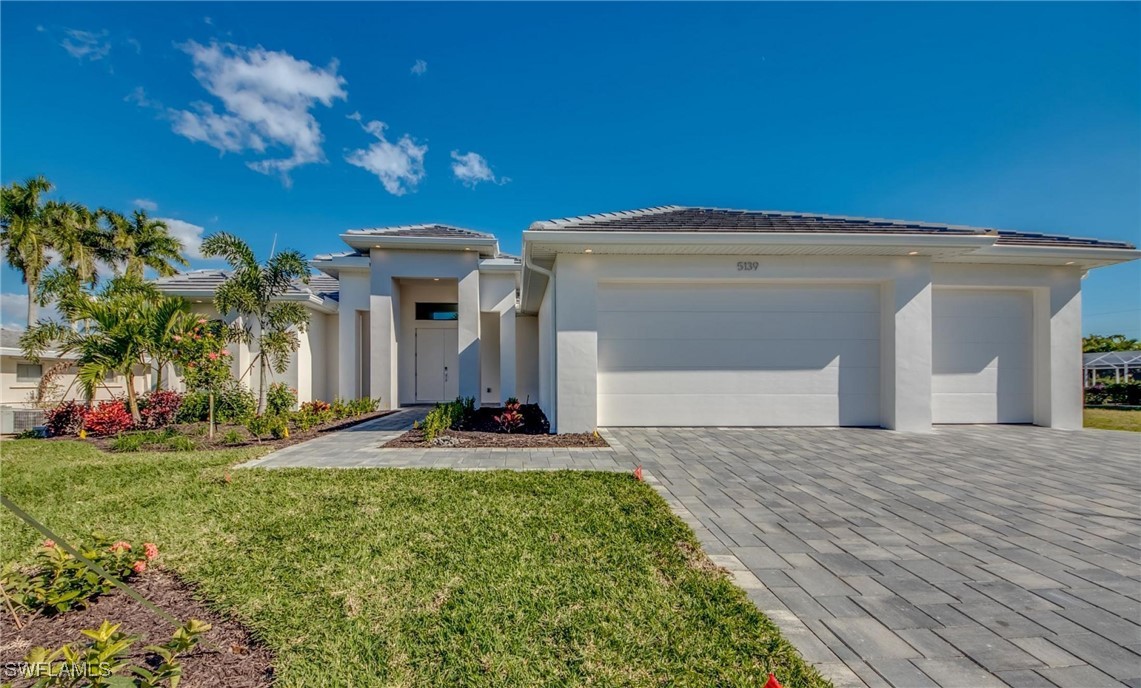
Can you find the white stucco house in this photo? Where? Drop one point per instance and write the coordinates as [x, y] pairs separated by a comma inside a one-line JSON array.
[[676, 316]]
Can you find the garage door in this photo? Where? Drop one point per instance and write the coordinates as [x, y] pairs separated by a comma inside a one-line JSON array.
[[982, 363], [733, 354]]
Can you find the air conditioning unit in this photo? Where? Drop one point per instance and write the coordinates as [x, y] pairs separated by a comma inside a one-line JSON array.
[[13, 421]]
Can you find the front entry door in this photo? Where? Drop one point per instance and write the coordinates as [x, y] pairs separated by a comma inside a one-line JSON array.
[[437, 369]]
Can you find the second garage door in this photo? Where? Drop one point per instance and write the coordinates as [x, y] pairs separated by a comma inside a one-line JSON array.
[[738, 355], [982, 362]]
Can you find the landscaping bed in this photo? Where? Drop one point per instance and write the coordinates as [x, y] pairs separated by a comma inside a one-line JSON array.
[[226, 656], [476, 439], [195, 436]]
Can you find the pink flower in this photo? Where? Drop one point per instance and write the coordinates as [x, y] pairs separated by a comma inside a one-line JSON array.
[[212, 356], [139, 566], [121, 546], [49, 544], [224, 352], [202, 321], [151, 550], [178, 338]]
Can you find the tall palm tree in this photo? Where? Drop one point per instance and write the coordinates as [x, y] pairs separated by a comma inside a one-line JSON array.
[[251, 291], [73, 232], [139, 242], [22, 233]]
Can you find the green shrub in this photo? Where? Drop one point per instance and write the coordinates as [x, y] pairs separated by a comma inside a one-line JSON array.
[[181, 443], [280, 399], [232, 404], [1114, 393], [232, 437], [276, 426], [58, 582], [453, 415]]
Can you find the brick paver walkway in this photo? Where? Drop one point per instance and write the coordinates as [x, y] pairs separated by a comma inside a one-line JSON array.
[[971, 556]]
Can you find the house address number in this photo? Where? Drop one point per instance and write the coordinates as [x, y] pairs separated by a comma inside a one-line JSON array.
[[747, 266]]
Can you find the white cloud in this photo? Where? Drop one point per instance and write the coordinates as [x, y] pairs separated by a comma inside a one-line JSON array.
[[86, 45], [146, 204], [399, 165], [266, 96], [419, 67], [472, 168], [14, 311], [189, 234]]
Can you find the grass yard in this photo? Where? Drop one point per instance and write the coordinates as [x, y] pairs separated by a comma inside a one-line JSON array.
[[419, 577], [1112, 419]]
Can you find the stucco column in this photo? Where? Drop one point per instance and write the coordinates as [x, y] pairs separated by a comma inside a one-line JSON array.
[[507, 352], [382, 335], [576, 344], [1058, 351], [905, 347], [347, 360], [469, 335], [303, 365]]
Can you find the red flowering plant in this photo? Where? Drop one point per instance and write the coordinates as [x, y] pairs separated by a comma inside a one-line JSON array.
[[57, 581], [205, 361], [65, 419], [159, 408], [511, 419], [108, 418]]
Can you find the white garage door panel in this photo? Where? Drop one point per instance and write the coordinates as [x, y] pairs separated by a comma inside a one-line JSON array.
[[983, 365], [721, 355], [760, 325]]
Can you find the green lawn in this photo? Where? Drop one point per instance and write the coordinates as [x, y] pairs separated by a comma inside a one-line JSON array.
[[1112, 419], [411, 578]]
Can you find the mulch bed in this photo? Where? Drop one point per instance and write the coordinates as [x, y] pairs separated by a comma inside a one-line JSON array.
[[198, 433], [414, 439], [227, 654]]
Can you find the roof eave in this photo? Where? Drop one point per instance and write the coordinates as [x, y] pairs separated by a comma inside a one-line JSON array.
[[486, 246], [595, 238]]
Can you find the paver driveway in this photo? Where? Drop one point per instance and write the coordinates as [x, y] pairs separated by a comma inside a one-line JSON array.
[[971, 556]]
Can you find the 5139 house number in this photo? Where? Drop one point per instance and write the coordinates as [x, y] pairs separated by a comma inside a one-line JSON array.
[[747, 266]]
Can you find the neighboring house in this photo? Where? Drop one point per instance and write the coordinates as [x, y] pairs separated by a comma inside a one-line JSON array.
[[677, 316], [20, 377]]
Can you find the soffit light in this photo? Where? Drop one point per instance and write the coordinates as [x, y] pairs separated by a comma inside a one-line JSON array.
[[913, 253], [1069, 262], [589, 250]]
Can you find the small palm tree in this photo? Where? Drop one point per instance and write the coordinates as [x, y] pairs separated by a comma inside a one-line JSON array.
[[23, 235], [251, 291], [125, 327], [139, 242]]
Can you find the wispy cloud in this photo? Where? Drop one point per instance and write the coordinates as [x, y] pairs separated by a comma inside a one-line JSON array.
[[146, 204], [472, 169], [189, 234], [267, 98], [399, 165], [419, 67], [86, 45], [14, 311]]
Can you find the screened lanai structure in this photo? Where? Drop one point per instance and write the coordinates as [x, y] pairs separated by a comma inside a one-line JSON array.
[[1118, 366]]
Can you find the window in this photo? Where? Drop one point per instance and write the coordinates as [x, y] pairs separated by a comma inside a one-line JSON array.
[[29, 372], [437, 311]]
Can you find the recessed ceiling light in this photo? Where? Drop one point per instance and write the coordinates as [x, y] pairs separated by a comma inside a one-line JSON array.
[[913, 253], [435, 279], [589, 250], [466, 248], [1069, 262]]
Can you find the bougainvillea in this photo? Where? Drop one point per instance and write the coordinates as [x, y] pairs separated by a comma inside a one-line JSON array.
[[65, 419], [108, 418]]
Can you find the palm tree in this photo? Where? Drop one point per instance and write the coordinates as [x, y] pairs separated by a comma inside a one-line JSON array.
[[73, 232], [139, 242], [251, 291], [127, 325], [23, 237]]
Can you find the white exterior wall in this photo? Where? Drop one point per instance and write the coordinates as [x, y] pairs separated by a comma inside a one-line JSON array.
[[489, 355], [905, 346], [353, 300], [545, 326], [527, 359], [23, 394]]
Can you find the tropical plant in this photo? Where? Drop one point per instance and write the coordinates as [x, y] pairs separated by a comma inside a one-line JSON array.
[[252, 292], [23, 235], [108, 418], [1098, 343], [159, 408], [139, 242], [65, 419], [124, 326], [280, 399]]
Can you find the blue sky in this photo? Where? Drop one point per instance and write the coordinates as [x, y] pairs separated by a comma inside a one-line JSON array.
[[303, 120]]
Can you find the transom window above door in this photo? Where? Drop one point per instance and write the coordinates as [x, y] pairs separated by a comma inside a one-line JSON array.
[[437, 311]]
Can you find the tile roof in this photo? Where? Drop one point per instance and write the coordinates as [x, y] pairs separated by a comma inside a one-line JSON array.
[[320, 284], [426, 231], [697, 219]]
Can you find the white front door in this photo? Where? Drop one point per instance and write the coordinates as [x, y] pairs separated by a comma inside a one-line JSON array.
[[437, 369]]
